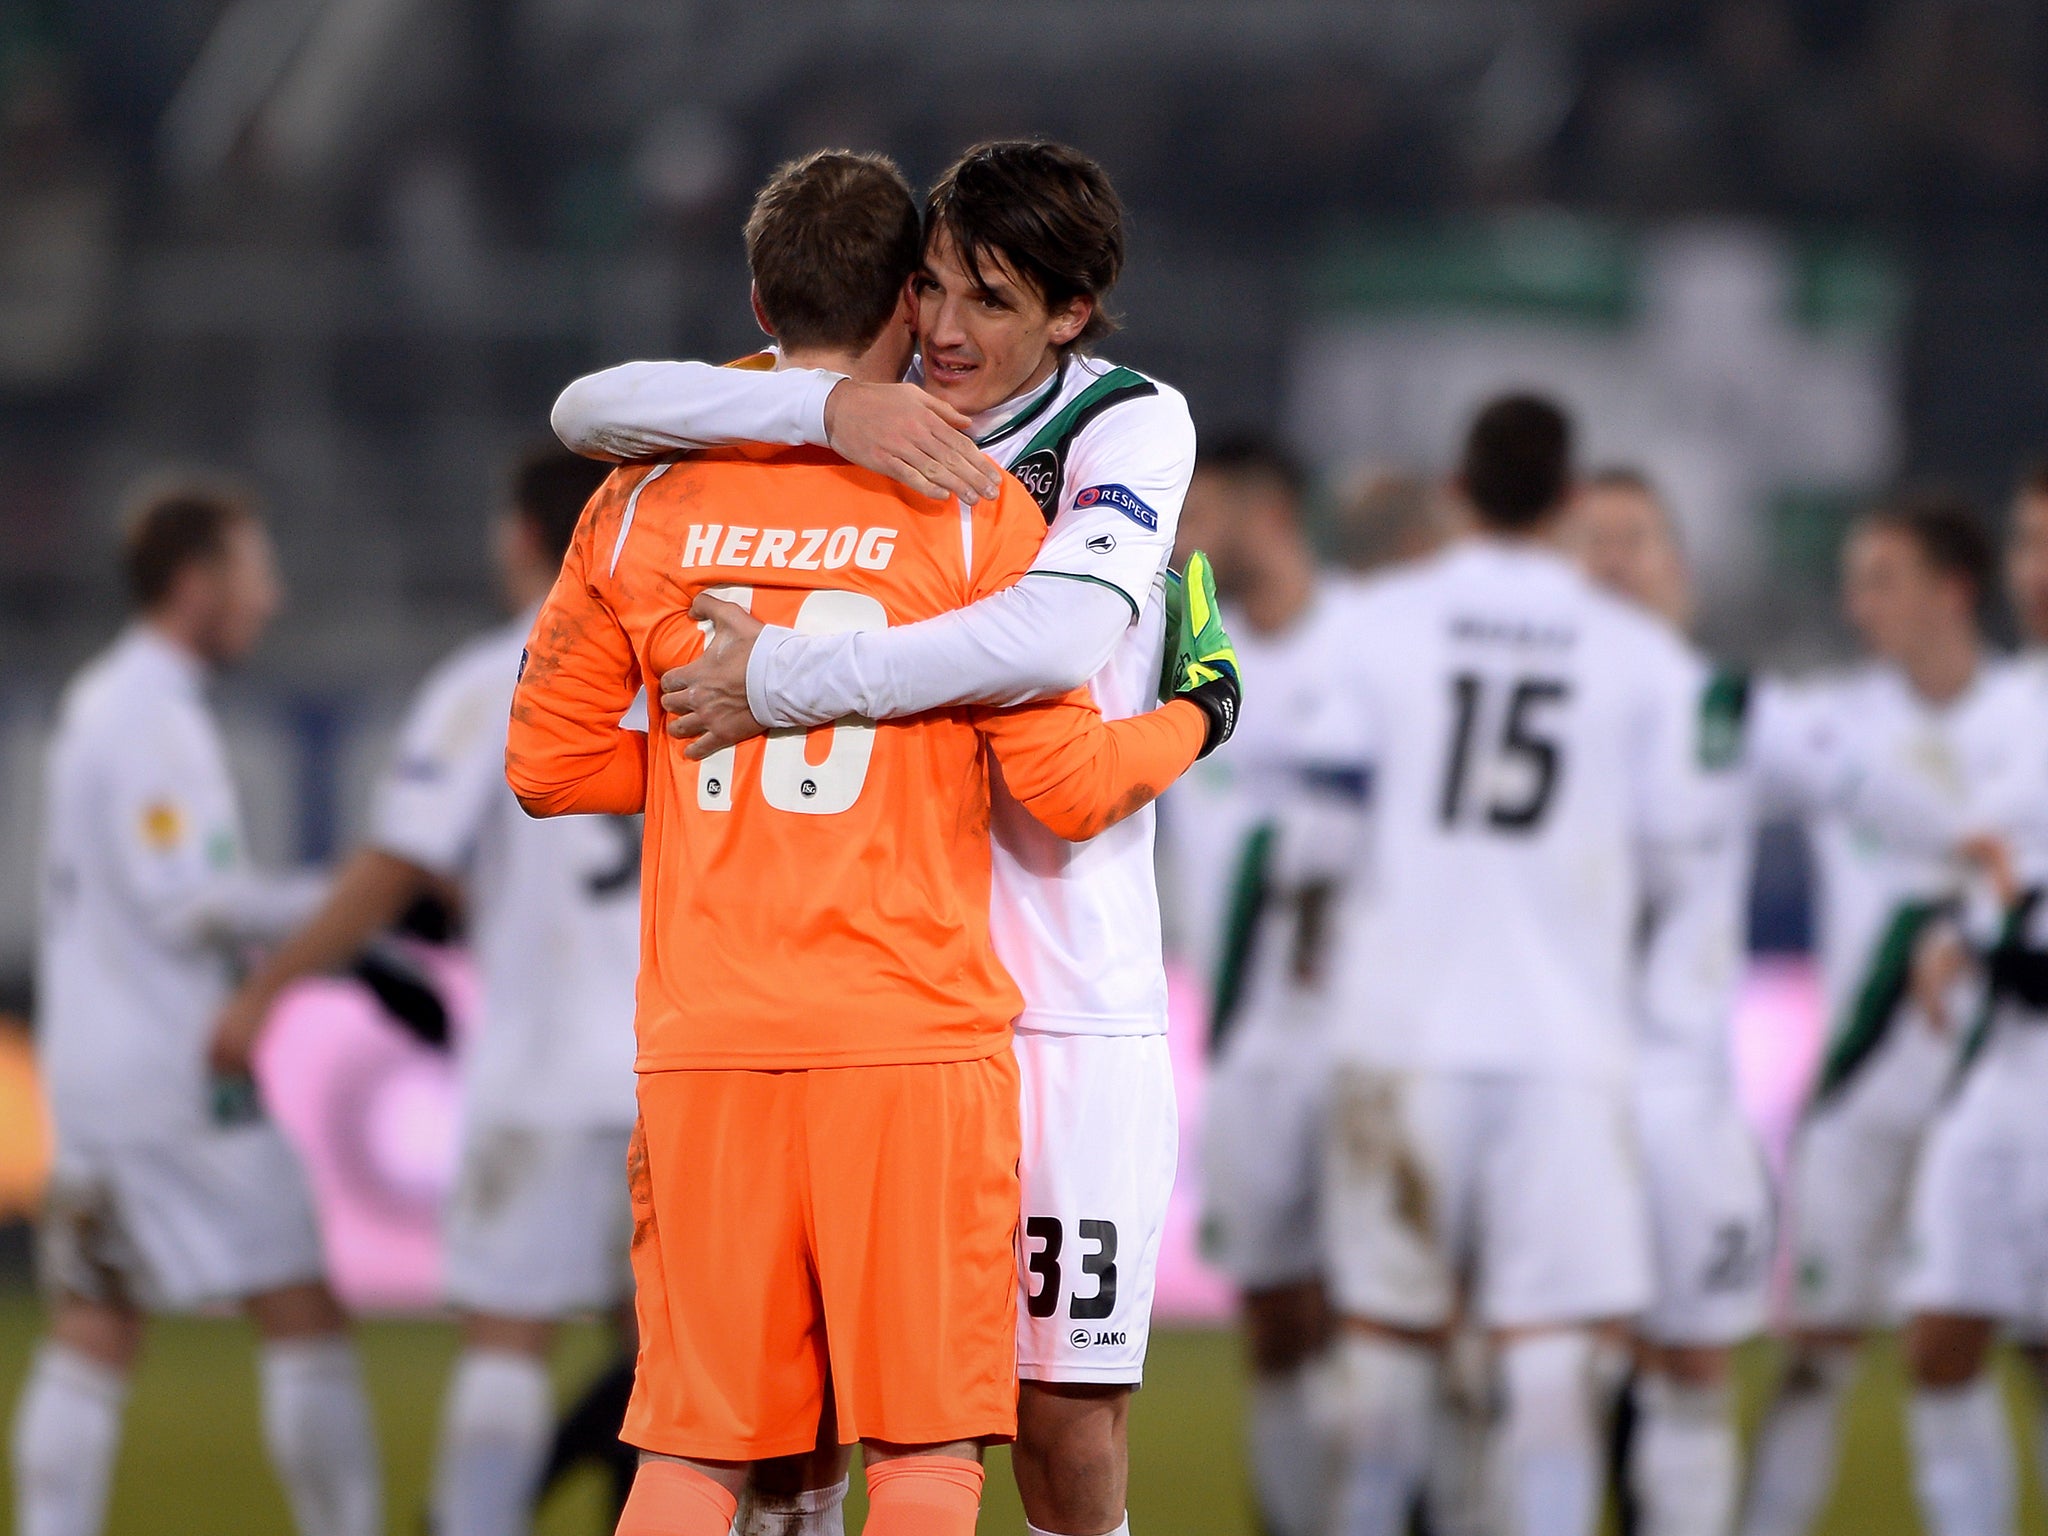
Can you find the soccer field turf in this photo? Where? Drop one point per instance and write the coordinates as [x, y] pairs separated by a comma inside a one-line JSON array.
[[192, 1461]]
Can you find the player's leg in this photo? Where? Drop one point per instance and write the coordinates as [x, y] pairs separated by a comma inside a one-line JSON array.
[[495, 1422], [1710, 1223], [1396, 1198], [1072, 1457], [1563, 1260], [537, 1231], [316, 1413], [1261, 1154], [913, 1213], [1847, 1197], [800, 1495], [1288, 1329], [1962, 1446], [1971, 1266], [1686, 1468], [929, 1490], [67, 1422], [1101, 1142], [682, 1496]]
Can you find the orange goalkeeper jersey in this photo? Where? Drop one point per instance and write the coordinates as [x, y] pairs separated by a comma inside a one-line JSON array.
[[811, 898]]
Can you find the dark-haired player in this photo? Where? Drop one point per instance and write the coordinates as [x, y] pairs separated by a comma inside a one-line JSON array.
[[1979, 1223], [1528, 740], [169, 1189], [1930, 715], [1256, 927], [1024, 241], [538, 1227]]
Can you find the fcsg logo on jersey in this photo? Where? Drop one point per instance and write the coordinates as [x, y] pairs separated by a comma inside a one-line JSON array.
[[1124, 499], [792, 549]]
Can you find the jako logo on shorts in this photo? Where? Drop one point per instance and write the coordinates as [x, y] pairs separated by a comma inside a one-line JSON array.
[[791, 549]]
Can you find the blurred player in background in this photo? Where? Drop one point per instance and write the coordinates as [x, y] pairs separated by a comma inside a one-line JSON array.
[[1386, 517], [1259, 933], [1024, 241], [1709, 1195], [538, 1226], [170, 1189], [847, 1022], [1928, 717], [1528, 741], [1979, 1220]]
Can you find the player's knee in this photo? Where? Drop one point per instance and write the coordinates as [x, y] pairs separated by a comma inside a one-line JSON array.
[[1285, 1329], [1819, 1369], [1944, 1352], [1374, 1396], [110, 1336], [1693, 1367], [305, 1311], [1555, 1384]]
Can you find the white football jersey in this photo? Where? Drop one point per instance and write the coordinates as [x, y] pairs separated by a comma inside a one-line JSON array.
[[147, 897], [1108, 454], [1694, 917], [1529, 740], [1225, 824], [1854, 754], [553, 905]]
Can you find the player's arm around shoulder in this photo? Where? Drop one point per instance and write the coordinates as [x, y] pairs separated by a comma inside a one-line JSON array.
[[1080, 775], [565, 749]]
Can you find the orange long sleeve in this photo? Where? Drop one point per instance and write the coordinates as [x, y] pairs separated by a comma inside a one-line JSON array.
[[1080, 774], [566, 752]]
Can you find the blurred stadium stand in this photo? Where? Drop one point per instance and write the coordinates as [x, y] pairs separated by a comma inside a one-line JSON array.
[[353, 247]]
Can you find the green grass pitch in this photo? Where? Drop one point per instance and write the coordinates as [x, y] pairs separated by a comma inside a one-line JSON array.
[[192, 1460]]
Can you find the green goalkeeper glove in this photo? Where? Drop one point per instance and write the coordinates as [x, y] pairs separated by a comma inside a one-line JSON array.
[[1201, 663]]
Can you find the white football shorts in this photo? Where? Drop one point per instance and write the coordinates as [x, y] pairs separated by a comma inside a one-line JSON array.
[[1979, 1216], [1101, 1147], [1262, 1157], [1852, 1172], [1709, 1198], [219, 1215], [540, 1224], [1522, 1193]]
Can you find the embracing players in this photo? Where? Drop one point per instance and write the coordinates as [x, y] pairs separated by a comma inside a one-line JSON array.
[[1023, 242], [825, 1176]]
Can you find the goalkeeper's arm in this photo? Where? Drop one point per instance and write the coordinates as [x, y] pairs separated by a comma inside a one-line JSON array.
[[1201, 663]]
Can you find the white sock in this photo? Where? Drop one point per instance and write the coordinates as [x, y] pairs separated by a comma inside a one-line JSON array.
[[1289, 1468], [1549, 1456], [1687, 1464], [495, 1424], [1372, 1401], [1962, 1459], [1792, 1466], [316, 1422], [67, 1427], [1459, 1491], [813, 1512]]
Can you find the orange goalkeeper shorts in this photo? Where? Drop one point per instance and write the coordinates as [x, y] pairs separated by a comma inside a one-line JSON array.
[[848, 1230]]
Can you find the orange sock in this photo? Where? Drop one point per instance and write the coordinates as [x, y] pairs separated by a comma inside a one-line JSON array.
[[923, 1496], [670, 1499]]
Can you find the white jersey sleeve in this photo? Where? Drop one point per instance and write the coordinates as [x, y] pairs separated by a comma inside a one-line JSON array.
[[1026, 642], [646, 410], [1126, 476], [449, 770], [177, 846]]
